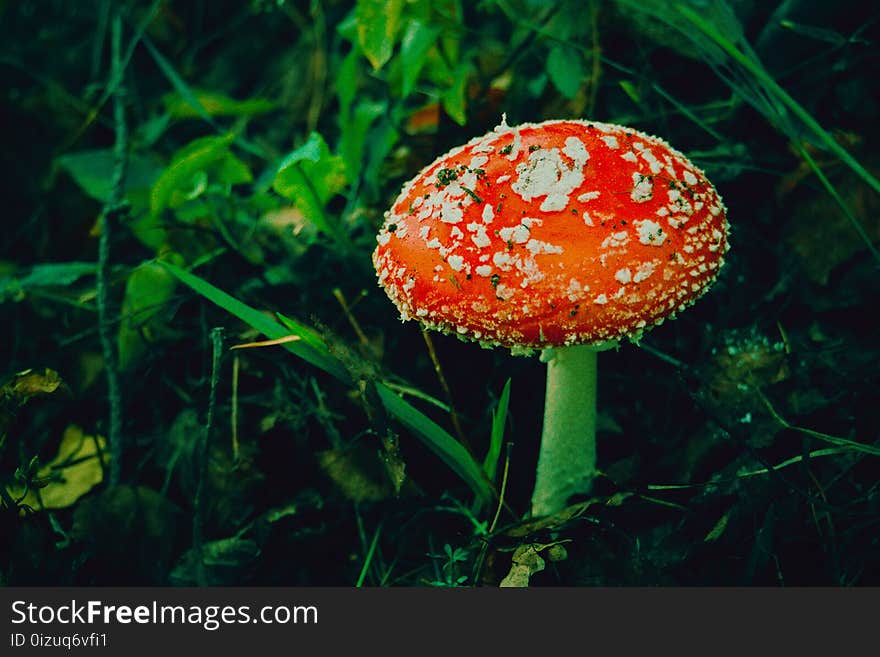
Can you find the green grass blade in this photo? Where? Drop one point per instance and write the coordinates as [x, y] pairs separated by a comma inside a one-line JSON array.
[[837, 199], [772, 86], [499, 420], [311, 349], [186, 92], [437, 440], [306, 348]]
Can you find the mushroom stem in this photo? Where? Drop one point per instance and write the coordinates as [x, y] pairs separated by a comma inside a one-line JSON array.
[[567, 458]]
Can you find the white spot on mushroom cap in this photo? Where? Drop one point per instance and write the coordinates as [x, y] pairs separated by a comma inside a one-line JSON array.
[[650, 232], [479, 238], [537, 246], [615, 240], [623, 276], [517, 234], [643, 271], [546, 174], [576, 150], [643, 188]]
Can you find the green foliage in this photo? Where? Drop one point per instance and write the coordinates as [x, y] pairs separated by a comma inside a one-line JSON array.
[[378, 22], [93, 172], [565, 69], [309, 176], [147, 291]]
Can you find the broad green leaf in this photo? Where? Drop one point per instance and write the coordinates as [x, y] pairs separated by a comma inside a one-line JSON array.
[[566, 70], [437, 440], [378, 22], [93, 171], [326, 172], [193, 158], [499, 419], [309, 177], [147, 290], [214, 103], [418, 39]]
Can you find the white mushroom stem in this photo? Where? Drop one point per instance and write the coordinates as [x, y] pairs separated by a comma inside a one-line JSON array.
[[567, 457]]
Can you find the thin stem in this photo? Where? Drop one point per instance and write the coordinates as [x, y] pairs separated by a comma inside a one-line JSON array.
[[202, 455], [113, 209], [567, 458]]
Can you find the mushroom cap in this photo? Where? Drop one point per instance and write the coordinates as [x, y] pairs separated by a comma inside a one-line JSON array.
[[550, 234]]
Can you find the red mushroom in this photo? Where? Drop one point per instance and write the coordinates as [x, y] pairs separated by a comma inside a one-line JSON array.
[[564, 236]]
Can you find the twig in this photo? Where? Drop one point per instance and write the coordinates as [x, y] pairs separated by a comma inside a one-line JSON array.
[[114, 207], [453, 414], [202, 459]]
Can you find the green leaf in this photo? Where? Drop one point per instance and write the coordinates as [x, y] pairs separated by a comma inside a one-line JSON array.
[[499, 419], [418, 39], [378, 22], [437, 440], [60, 274], [147, 290], [454, 98], [355, 129], [309, 176], [190, 160], [213, 103], [93, 171], [566, 70], [630, 90], [347, 82], [57, 273]]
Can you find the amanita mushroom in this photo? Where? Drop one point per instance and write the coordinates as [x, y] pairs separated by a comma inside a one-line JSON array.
[[564, 236]]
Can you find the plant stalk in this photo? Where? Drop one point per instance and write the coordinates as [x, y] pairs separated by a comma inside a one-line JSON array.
[[567, 457]]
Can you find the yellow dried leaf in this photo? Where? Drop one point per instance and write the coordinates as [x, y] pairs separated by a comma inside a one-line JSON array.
[[73, 472]]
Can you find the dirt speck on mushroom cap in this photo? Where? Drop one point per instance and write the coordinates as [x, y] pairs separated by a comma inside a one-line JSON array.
[[557, 233]]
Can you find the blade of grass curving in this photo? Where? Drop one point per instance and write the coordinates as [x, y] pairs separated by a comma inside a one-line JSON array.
[[438, 440], [754, 67], [817, 453], [312, 349], [843, 206], [499, 420], [418, 394], [818, 435], [306, 348], [192, 99]]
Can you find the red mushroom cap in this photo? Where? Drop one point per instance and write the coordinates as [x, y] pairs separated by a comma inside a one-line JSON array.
[[550, 234]]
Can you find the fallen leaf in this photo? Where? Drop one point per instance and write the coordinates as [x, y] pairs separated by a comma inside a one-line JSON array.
[[526, 562], [74, 471]]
